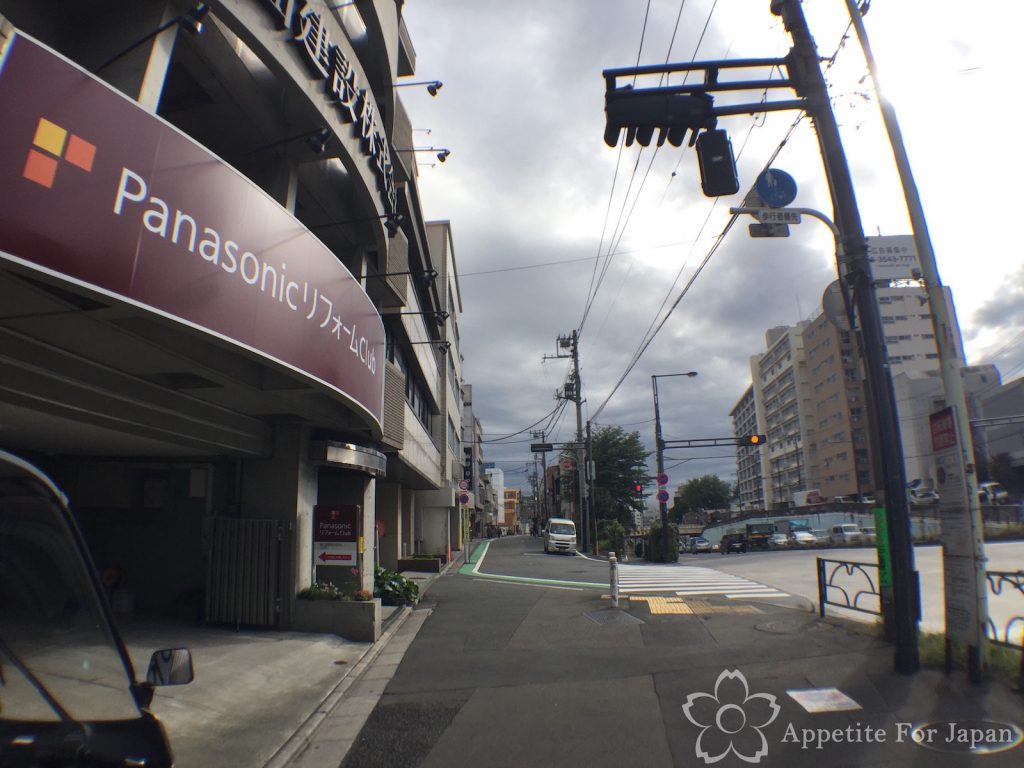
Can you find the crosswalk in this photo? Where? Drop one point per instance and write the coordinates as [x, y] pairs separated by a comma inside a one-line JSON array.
[[684, 580]]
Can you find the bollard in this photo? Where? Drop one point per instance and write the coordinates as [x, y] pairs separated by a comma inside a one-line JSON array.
[[613, 578]]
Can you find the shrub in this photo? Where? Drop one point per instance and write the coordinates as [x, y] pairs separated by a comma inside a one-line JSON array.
[[393, 588], [653, 549], [362, 595], [322, 590], [614, 535]]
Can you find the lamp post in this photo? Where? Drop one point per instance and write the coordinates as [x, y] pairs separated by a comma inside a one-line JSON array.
[[659, 447]]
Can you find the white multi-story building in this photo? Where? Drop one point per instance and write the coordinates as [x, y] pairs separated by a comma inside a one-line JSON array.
[[780, 400], [751, 462]]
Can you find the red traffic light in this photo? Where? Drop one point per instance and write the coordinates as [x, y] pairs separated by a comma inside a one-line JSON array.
[[639, 488]]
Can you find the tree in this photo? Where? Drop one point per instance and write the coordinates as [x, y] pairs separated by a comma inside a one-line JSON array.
[[707, 492], [620, 462]]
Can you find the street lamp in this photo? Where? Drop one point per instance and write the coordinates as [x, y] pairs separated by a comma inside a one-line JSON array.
[[659, 446]]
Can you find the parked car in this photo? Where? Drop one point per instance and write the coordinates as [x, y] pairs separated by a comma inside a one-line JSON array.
[[733, 542], [698, 544], [778, 541], [70, 694], [992, 493], [869, 500], [844, 499], [802, 539], [923, 498], [845, 533], [868, 535]]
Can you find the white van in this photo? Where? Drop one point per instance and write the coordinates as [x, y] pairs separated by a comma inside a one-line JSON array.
[[847, 533], [560, 535]]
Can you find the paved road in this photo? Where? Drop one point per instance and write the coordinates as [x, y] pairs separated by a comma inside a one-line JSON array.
[[795, 572], [505, 673], [787, 572]]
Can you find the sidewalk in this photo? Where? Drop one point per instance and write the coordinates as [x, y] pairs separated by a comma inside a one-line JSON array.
[[256, 693]]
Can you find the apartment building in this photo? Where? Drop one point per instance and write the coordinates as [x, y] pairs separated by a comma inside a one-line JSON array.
[[781, 399], [751, 462], [838, 410]]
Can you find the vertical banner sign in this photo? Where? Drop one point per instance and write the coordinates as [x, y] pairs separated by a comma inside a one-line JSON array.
[[962, 561], [335, 535]]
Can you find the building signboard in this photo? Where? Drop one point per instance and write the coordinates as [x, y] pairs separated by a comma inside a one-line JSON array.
[[103, 194], [335, 535], [326, 61], [893, 257]]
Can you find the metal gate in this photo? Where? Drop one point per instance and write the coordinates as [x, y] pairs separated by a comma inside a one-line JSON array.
[[243, 583]]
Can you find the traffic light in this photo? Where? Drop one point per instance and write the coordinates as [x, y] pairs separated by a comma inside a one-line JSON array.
[[638, 489], [751, 440], [717, 165], [673, 114]]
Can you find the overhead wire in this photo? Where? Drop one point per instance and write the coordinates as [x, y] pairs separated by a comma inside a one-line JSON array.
[[592, 288], [649, 337]]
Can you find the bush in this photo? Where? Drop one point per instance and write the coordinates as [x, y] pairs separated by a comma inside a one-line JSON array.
[[362, 596], [614, 536], [393, 588], [653, 549], [322, 590]]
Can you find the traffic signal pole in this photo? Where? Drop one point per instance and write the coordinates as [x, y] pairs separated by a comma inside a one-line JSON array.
[[804, 70]]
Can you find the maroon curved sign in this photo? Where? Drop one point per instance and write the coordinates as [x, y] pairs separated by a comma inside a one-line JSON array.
[[99, 191]]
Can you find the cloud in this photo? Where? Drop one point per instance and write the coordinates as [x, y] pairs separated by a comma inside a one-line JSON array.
[[530, 181]]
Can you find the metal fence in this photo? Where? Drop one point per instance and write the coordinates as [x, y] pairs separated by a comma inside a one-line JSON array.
[[856, 584]]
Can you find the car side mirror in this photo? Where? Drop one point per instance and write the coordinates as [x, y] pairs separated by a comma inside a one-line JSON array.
[[171, 666]]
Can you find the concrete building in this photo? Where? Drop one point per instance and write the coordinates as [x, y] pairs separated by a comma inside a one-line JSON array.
[[781, 400], [513, 497], [751, 463], [919, 396], [496, 512], [218, 300], [838, 410]]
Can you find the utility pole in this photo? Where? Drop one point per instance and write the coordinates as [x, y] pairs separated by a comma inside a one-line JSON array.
[[674, 111], [855, 273], [970, 561], [581, 452], [543, 511], [659, 449], [576, 395]]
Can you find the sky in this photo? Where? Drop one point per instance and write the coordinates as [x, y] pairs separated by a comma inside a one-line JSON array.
[[547, 220]]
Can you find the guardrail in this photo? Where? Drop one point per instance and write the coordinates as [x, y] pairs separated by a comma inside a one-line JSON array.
[[853, 581]]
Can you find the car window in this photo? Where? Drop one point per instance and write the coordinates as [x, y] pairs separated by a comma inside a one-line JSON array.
[[562, 528], [58, 657]]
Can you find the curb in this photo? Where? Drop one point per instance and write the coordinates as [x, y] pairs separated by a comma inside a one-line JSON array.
[[303, 735]]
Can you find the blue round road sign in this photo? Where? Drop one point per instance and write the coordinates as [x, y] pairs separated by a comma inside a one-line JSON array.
[[663, 495], [777, 188]]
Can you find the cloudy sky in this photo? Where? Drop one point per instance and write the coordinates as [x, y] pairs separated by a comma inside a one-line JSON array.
[[543, 211]]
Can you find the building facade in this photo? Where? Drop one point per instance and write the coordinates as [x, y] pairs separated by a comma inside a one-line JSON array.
[[218, 295]]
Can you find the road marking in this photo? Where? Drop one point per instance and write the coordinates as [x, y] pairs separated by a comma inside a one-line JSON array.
[[689, 580]]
